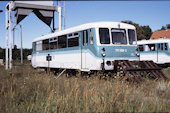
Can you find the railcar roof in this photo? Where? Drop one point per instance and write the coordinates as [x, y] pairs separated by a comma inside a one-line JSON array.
[[86, 26], [153, 41]]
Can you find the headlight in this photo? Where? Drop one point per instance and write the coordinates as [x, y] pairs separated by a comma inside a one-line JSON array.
[[137, 54], [103, 54]]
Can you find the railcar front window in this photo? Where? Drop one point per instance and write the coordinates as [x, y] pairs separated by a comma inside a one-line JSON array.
[[104, 36], [131, 34], [119, 36]]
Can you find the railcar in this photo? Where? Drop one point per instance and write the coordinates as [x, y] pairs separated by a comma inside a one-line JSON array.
[[157, 50], [98, 46], [83, 47]]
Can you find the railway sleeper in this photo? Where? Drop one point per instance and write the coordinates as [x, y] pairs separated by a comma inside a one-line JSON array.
[[136, 71]]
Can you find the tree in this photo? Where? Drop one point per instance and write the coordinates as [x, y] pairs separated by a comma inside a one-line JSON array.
[[165, 27], [147, 32], [143, 32], [168, 26], [2, 53], [16, 53]]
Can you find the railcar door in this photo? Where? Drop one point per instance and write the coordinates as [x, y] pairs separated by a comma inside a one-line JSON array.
[[84, 45], [161, 53]]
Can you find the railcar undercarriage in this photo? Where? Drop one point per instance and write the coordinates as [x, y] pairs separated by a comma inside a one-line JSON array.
[[132, 71]]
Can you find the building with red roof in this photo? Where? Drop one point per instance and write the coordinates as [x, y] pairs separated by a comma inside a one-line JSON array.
[[161, 34]]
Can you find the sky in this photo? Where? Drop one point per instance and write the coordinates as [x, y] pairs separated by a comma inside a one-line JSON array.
[[153, 13]]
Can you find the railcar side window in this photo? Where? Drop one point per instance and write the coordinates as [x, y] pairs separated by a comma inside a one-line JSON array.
[[91, 36], [34, 46], [161, 46], [73, 40], [146, 48], [151, 47], [140, 47], [119, 36], [131, 34], [83, 39], [45, 44], [104, 35], [62, 41], [166, 46], [53, 43], [87, 37], [39, 46]]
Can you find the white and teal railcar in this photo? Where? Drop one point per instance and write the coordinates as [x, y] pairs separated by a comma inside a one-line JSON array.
[[157, 50], [87, 46]]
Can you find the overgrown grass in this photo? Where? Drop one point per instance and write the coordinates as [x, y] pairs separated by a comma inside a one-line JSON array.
[[167, 72], [24, 90]]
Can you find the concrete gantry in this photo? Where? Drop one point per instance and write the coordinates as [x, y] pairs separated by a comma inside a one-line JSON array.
[[44, 10]]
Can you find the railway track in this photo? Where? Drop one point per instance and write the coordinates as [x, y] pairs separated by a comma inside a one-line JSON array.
[[138, 70]]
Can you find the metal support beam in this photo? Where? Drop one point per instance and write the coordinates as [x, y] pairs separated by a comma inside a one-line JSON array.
[[53, 22], [60, 74], [21, 44], [13, 29], [64, 16], [60, 18], [6, 56], [10, 36]]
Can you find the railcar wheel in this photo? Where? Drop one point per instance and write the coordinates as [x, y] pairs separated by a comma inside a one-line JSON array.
[[85, 74], [68, 73], [71, 73]]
